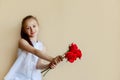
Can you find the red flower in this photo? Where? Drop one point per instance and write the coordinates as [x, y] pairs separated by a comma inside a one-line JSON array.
[[70, 56], [79, 53], [73, 53], [73, 47]]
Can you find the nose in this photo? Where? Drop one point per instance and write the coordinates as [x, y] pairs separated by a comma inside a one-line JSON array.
[[31, 29]]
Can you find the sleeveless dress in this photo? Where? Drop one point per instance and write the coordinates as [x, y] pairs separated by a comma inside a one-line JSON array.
[[24, 67]]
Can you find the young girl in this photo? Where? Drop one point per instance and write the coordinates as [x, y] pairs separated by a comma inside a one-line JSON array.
[[30, 53]]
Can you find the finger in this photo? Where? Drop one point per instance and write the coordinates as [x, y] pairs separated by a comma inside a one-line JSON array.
[[61, 58], [55, 62], [52, 66], [58, 59]]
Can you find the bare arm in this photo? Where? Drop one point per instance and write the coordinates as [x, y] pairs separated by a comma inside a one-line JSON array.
[[41, 65], [23, 44]]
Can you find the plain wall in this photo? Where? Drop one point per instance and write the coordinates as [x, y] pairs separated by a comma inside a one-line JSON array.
[[92, 24]]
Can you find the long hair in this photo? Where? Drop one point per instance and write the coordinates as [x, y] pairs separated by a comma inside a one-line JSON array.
[[23, 34]]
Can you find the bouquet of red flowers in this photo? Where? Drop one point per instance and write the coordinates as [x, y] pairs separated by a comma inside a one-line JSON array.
[[71, 55]]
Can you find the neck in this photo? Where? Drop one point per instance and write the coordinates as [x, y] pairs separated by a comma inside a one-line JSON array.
[[34, 39]]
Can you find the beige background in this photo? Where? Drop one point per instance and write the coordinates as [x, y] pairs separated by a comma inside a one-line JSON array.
[[92, 24]]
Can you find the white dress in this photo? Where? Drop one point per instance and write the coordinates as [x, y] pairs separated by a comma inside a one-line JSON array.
[[24, 67]]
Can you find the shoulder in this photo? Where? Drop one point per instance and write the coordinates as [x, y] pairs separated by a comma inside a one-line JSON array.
[[22, 42], [42, 46], [40, 42], [24, 45]]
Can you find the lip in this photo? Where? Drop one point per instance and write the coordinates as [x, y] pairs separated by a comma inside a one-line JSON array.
[[32, 32]]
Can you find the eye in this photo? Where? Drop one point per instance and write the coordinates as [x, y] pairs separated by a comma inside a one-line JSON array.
[[27, 28], [34, 26]]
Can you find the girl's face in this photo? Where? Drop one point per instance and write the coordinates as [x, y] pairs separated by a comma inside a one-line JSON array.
[[31, 27]]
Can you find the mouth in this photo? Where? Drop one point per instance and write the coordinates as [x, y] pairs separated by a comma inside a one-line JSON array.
[[32, 33]]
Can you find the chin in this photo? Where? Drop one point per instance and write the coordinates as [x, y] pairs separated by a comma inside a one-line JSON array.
[[33, 35]]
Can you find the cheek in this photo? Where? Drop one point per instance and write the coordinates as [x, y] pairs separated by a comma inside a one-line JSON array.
[[37, 29], [27, 31]]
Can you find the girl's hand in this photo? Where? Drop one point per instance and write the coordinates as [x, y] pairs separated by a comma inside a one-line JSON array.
[[52, 65], [55, 61]]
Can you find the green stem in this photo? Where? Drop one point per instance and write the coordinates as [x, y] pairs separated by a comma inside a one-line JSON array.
[[46, 71]]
